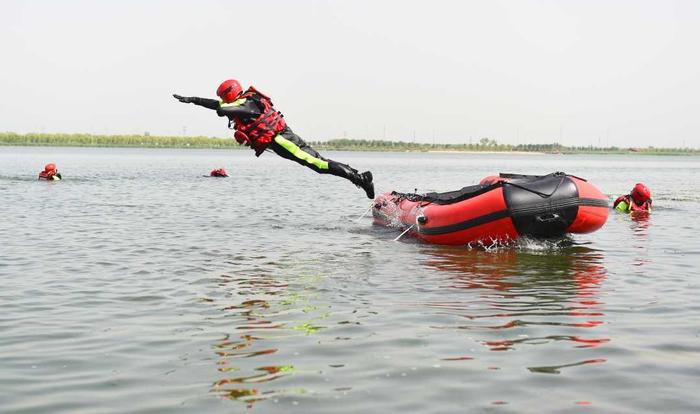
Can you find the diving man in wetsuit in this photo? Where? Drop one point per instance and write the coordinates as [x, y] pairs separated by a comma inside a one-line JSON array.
[[259, 125]]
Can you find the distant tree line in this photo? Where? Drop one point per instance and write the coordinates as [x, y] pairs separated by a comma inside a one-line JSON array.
[[89, 140], [488, 145], [484, 144]]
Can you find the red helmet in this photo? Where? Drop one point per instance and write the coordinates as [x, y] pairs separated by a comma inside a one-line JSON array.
[[220, 172], [228, 90], [640, 193], [50, 167]]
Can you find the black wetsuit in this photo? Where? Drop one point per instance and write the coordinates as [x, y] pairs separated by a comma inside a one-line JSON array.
[[287, 144]]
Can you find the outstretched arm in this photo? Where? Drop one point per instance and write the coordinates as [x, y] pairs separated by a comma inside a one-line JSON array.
[[243, 108], [207, 103]]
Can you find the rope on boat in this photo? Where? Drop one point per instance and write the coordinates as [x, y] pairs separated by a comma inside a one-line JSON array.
[[404, 232], [366, 211]]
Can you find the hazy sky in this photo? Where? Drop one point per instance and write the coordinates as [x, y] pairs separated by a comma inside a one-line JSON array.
[[578, 72]]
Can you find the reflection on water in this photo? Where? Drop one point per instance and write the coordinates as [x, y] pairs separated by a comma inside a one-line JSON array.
[[640, 216], [556, 369], [188, 295], [639, 224], [533, 293], [262, 311]]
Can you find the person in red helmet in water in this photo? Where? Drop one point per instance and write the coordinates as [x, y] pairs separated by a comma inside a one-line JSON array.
[[219, 172], [50, 173], [259, 125], [639, 199]]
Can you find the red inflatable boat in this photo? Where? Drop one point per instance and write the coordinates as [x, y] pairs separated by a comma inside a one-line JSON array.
[[501, 207]]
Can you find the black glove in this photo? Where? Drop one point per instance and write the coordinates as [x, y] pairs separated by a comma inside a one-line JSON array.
[[183, 99]]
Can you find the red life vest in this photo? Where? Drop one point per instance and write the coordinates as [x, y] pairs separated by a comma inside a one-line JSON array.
[[631, 205], [46, 175], [260, 131]]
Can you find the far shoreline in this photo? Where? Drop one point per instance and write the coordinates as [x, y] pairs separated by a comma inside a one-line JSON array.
[[485, 145], [485, 152]]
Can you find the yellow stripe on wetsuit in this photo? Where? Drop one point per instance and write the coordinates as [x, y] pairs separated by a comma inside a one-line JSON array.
[[299, 153], [237, 102]]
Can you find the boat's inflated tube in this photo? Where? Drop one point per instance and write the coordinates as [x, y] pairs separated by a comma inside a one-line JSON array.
[[501, 208]]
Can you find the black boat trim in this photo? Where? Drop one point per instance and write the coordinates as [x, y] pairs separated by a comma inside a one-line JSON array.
[[594, 202], [556, 205], [522, 211], [477, 221]]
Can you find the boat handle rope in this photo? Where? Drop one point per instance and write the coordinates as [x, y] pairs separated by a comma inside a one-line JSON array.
[[371, 205], [420, 198], [404, 232]]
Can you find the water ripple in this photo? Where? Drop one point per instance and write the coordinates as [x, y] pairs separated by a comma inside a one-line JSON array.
[[128, 291]]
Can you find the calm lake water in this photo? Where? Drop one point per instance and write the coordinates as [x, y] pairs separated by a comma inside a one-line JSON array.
[[137, 285]]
